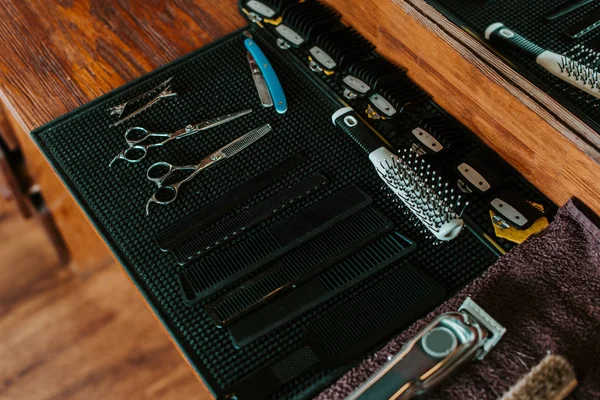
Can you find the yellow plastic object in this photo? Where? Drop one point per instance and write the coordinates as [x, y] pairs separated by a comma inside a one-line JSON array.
[[515, 235]]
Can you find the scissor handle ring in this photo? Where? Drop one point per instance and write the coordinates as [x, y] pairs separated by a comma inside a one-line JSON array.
[[135, 153], [139, 134], [165, 194], [159, 171]]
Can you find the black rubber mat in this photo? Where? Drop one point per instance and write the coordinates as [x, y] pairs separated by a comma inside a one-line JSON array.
[[213, 81], [528, 19]]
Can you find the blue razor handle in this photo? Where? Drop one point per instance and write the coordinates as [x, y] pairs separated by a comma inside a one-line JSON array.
[[269, 75]]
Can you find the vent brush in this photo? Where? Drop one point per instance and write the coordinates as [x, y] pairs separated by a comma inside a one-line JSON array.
[[305, 21], [429, 199], [337, 48], [569, 70]]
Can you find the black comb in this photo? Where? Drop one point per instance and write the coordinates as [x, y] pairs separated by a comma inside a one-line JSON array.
[[309, 19], [339, 278], [300, 264], [480, 174], [181, 230], [377, 72], [436, 135], [277, 6], [514, 209], [344, 46], [223, 267], [401, 93], [228, 229], [349, 330]]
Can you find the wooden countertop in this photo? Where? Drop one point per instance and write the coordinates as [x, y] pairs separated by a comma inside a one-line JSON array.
[[60, 54]]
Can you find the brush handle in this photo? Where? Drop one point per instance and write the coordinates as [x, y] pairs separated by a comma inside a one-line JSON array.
[[497, 33], [349, 122]]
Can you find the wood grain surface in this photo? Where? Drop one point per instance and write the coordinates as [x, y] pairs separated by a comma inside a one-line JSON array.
[[481, 99], [63, 337], [59, 55]]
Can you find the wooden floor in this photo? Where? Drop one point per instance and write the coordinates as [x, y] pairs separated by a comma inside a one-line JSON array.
[[67, 337]]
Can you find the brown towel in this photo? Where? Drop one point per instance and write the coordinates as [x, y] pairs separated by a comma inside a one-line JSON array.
[[546, 292]]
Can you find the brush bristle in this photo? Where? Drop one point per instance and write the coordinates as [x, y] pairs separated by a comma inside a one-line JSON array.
[[552, 379], [415, 183]]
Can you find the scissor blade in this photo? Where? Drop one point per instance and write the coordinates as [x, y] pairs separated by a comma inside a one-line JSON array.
[[211, 123], [242, 142]]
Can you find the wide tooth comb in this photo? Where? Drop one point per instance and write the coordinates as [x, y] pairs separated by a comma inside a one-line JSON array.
[[403, 92], [344, 45], [276, 5], [377, 72], [310, 18], [442, 130]]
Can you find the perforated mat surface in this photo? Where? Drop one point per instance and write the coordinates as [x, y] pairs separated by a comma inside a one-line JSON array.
[[213, 81]]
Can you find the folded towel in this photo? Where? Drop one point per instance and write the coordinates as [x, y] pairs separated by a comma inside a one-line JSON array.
[[546, 292]]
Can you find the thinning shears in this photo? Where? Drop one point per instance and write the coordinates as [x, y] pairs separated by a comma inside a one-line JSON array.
[[160, 172], [137, 136]]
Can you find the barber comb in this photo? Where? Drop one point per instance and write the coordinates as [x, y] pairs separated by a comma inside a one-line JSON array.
[[304, 21], [338, 48], [267, 11], [411, 179], [367, 74], [390, 100], [478, 173], [435, 136]]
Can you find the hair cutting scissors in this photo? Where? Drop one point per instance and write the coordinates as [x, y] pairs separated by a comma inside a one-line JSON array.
[[160, 172], [137, 136]]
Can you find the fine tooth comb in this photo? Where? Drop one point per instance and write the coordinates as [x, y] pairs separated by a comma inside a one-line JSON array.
[[429, 199], [339, 278], [584, 26], [477, 173], [348, 329], [435, 136], [337, 48], [289, 272], [366, 74], [216, 271], [514, 210], [305, 21], [190, 225], [569, 70]]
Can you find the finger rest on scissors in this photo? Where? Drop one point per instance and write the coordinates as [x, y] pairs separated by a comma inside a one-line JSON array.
[[163, 195], [132, 154]]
